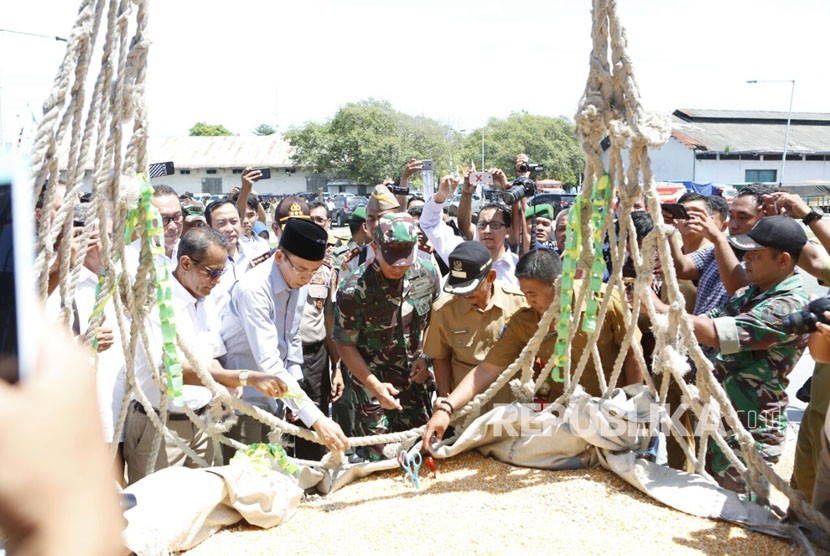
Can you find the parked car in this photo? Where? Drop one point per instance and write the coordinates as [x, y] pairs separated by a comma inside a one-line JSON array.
[[341, 196], [453, 208], [307, 195], [344, 207], [559, 201]]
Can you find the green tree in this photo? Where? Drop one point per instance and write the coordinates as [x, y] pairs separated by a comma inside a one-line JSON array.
[[264, 129], [549, 141], [368, 141], [201, 129]]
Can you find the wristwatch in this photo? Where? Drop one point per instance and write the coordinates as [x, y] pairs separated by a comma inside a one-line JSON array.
[[812, 216], [243, 378]]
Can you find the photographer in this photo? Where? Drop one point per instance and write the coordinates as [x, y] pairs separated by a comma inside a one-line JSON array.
[[755, 352], [811, 471], [808, 448], [516, 195], [493, 224], [465, 205], [413, 166]]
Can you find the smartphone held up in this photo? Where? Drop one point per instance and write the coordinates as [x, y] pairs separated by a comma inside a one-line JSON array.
[[17, 293]]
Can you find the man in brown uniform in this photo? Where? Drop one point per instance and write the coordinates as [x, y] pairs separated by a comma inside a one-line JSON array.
[[466, 324], [537, 270]]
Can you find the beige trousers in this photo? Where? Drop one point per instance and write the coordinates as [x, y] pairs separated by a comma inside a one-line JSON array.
[[138, 443]]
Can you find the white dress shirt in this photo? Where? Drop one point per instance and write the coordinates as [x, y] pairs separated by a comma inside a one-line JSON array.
[[111, 378], [131, 259], [443, 240], [235, 269], [253, 246], [197, 321]]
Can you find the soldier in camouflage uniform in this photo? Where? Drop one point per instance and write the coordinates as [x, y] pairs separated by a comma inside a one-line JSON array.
[[342, 410], [381, 202], [382, 312], [359, 237], [755, 354]]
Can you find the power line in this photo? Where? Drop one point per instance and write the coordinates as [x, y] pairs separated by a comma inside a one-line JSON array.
[[57, 38]]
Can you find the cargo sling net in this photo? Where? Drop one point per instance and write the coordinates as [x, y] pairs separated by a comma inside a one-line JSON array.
[[609, 108]]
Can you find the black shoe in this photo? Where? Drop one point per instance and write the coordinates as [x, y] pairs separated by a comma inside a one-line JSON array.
[[803, 393]]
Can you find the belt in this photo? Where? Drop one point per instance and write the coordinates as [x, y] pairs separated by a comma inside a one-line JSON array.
[[312, 345], [171, 416]]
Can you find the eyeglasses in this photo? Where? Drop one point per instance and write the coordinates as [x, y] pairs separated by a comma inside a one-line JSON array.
[[494, 224], [213, 273], [166, 219], [299, 271]]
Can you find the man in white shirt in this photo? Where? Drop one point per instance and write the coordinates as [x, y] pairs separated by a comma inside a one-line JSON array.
[[262, 330], [166, 200], [201, 261], [249, 211], [493, 225], [223, 217]]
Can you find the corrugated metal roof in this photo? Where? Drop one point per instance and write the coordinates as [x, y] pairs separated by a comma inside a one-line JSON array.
[[269, 151], [750, 137], [221, 152], [696, 113]]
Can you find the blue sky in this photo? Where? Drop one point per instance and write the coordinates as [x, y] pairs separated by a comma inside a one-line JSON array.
[[458, 61]]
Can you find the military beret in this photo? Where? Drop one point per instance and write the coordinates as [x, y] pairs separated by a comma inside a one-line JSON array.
[[359, 214], [543, 210]]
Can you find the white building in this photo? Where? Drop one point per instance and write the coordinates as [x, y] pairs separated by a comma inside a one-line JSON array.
[[734, 147], [213, 164]]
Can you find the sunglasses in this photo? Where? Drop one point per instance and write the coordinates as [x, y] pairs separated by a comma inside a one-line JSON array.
[[213, 273], [167, 219]]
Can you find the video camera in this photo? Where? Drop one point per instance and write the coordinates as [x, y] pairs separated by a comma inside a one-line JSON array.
[[804, 322], [520, 188], [525, 167]]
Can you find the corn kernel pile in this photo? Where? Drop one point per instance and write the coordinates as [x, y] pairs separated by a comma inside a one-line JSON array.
[[478, 505]]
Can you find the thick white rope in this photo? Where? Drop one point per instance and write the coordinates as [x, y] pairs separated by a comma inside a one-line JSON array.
[[610, 106]]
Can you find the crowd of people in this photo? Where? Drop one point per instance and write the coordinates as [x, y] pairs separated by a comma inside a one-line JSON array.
[[414, 315]]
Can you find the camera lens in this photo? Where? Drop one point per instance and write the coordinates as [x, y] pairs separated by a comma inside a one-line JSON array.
[[802, 322], [513, 194]]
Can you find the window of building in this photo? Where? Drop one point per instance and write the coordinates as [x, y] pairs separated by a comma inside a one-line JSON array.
[[211, 170], [763, 176], [212, 186], [184, 171], [237, 170]]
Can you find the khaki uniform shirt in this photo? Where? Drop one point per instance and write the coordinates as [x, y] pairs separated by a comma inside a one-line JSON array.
[[464, 333], [522, 326]]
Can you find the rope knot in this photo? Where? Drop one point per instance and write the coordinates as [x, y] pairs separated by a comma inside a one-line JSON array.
[[523, 391]]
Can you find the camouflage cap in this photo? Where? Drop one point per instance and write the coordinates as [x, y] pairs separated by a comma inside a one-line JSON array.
[[382, 199], [397, 237], [193, 211]]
